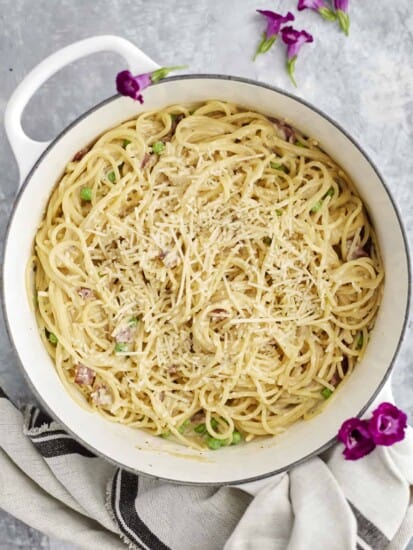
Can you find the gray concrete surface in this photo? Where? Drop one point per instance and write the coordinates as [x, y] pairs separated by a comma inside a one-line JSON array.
[[365, 82]]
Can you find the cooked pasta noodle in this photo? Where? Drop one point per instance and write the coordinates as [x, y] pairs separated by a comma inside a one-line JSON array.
[[207, 273]]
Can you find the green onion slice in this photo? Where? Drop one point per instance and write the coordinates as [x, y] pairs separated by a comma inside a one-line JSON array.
[[121, 347]]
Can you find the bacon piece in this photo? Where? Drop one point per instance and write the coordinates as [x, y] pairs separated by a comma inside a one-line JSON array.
[[173, 369], [169, 259], [219, 313], [124, 335], [81, 153], [175, 123], [146, 158], [101, 396], [198, 417], [358, 253], [85, 293], [335, 379], [286, 129], [84, 376]]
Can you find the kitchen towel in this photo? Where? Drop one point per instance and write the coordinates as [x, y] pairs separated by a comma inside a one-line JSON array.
[[51, 482]]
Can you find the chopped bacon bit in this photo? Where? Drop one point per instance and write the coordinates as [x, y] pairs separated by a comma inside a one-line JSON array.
[[344, 364], [80, 154], [173, 369], [124, 335], [335, 379], [358, 253], [100, 396], [84, 375], [85, 293], [219, 313], [175, 123], [198, 417], [169, 260], [162, 396], [286, 129], [145, 160]]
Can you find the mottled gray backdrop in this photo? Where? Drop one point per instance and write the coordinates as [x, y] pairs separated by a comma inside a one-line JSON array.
[[365, 82]]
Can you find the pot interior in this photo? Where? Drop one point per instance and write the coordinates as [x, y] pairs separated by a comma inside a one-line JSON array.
[[136, 449]]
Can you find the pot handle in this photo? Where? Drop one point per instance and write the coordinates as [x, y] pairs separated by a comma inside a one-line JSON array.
[[27, 150]]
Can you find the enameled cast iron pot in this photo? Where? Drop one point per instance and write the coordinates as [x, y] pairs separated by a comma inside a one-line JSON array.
[[42, 164]]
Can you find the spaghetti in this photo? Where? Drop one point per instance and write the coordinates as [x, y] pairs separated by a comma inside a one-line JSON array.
[[207, 273]]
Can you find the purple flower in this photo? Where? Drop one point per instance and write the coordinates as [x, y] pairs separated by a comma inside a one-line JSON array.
[[294, 40], [274, 24], [318, 6], [387, 424], [310, 4], [133, 86], [356, 436], [341, 7], [275, 21]]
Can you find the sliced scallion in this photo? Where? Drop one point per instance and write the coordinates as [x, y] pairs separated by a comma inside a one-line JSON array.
[[133, 321], [278, 166], [317, 206], [121, 347]]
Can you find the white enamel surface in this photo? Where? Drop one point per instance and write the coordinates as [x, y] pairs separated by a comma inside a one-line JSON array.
[[135, 449]]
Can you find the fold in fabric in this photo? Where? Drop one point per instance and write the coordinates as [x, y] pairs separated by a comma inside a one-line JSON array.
[[51, 482]]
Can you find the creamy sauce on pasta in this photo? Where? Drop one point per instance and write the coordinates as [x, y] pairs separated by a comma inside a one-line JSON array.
[[204, 271]]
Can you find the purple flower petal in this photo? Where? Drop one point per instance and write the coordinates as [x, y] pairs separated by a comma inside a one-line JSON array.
[[310, 4], [132, 86], [387, 424], [275, 21], [356, 436], [341, 5], [294, 40], [319, 6]]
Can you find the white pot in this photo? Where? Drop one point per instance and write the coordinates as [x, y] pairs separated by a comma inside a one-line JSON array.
[[41, 166]]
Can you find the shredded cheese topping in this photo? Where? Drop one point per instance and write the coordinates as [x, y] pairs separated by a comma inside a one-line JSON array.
[[223, 276]]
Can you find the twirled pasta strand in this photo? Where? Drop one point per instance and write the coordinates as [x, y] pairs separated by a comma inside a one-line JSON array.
[[238, 266]]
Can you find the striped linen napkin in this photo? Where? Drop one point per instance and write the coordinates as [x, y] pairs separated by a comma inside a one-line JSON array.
[[51, 482]]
